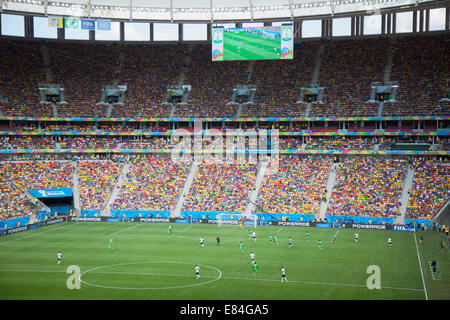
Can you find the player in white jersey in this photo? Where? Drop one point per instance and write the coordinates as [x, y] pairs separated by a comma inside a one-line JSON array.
[[254, 236], [59, 255], [290, 242], [252, 257], [356, 237], [283, 274], [389, 241], [201, 242], [197, 271]]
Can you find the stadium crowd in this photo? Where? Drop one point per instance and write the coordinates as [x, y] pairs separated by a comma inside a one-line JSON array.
[[367, 186], [96, 181], [430, 189], [152, 183], [221, 187], [13, 203], [297, 187]]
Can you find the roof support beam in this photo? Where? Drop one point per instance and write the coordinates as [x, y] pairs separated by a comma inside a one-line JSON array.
[[250, 2], [131, 10], [291, 7], [211, 4]]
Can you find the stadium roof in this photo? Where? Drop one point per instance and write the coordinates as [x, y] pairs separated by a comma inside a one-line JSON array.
[[202, 10]]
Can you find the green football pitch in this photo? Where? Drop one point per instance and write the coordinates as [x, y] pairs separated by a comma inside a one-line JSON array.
[[147, 262], [246, 46]]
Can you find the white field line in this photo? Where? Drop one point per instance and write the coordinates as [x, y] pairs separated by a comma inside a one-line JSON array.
[[36, 234], [420, 264], [214, 277], [126, 229]]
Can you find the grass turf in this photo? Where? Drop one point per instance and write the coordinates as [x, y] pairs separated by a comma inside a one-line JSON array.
[[149, 263], [254, 47]]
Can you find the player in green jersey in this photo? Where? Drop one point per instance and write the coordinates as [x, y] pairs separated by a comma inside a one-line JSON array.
[[255, 269], [307, 237], [270, 238], [111, 243], [241, 247], [320, 245], [250, 235], [275, 239], [333, 238]]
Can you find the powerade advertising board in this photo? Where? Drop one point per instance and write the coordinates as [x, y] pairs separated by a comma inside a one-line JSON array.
[[253, 43]]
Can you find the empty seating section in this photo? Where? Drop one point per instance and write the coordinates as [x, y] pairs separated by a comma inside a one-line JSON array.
[[368, 187], [296, 187], [152, 183]]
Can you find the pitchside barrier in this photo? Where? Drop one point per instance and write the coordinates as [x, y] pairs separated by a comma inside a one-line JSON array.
[[311, 223], [32, 226]]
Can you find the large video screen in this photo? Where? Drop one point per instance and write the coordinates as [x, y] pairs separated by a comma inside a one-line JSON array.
[[253, 43]]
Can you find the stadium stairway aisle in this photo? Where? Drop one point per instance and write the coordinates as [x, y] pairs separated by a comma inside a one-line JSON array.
[[109, 110], [388, 67], [172, 111], [258, 183], [308, 110], [187, 186], [380, 109], [330, 185], [317, 64], [404, 198], [115, 191], [76, 190], [239, 110]]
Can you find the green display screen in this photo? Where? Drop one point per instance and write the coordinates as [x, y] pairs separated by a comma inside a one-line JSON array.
[[253, 43]]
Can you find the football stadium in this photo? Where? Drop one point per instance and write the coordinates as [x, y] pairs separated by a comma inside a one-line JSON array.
[[224, 150]]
